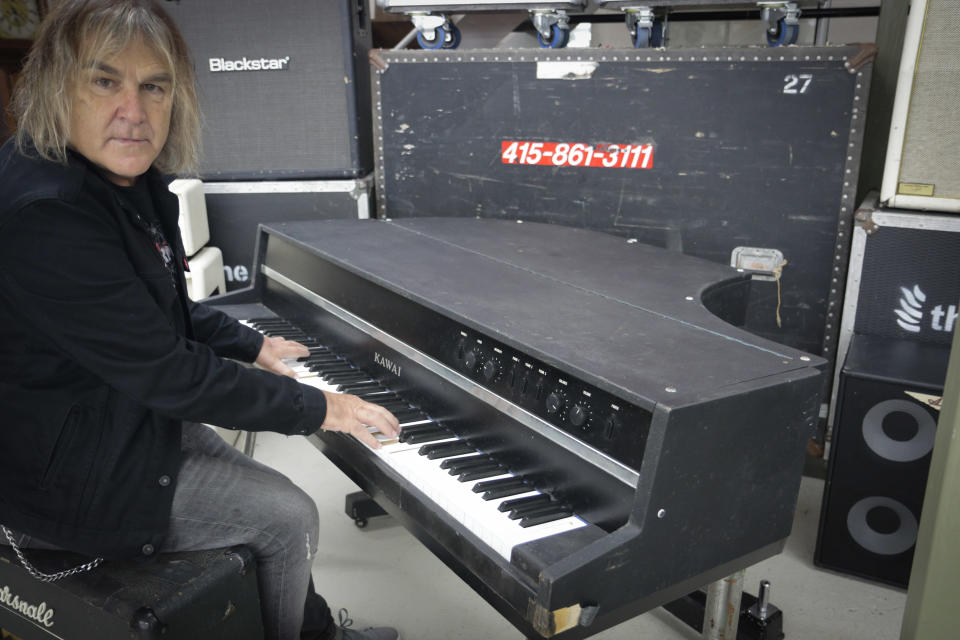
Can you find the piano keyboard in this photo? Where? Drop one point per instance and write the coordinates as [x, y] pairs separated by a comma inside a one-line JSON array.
[[499, 507]]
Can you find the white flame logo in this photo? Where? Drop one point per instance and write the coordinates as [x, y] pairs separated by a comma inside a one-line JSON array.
[[911, 309]]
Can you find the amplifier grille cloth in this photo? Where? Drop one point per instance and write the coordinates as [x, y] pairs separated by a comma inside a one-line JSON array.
[[931, 150]]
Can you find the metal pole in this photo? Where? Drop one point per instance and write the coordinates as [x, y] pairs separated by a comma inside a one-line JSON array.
[[721, 615]]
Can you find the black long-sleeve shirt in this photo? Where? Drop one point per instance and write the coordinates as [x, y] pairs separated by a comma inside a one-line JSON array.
[[101, 360]]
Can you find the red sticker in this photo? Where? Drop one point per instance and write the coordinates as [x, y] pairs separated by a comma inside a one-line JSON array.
[[577, 154]]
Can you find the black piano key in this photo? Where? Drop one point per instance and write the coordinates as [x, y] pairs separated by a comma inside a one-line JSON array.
[[385, 396], [320, 358], [455, 464], [358, 388], [503, 483], [445, 449], [424, 436], [289, 334], [269, 323], [480, 473], [367, 395], [336, 378], [518, 503], [533, 520], [409, 415], [505, 491], [331, 368], [432, 426], [536, 510], [305, 358], [397, 405]]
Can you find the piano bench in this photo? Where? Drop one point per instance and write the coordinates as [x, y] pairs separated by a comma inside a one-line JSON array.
[[179, 596]]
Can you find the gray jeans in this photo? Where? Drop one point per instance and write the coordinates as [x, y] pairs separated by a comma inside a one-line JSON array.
[[224, 498]]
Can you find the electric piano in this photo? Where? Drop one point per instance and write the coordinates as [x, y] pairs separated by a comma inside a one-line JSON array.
[[587, 434]]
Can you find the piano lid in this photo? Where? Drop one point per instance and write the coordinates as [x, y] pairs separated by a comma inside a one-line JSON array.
[[624, 316]]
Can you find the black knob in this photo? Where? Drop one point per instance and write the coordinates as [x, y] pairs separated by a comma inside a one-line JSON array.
[[470, 360], [554, 402], [578, 415], [490, 369]]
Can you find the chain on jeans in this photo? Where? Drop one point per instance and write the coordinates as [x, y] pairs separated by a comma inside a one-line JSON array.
[[47, 577]]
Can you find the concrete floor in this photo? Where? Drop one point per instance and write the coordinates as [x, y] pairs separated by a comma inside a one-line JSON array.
[[383, 575]]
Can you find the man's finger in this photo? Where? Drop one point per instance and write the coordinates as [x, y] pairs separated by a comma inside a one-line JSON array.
[[366, 437], [279, 367], [383, 420]]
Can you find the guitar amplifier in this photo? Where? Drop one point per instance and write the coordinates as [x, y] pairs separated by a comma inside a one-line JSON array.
[[922, 169], [179, 596], [284, 86]]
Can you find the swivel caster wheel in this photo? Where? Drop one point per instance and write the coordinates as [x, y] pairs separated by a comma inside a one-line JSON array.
[[648, 36], [782, 34], [436, 40], [559, 38], [451, 39]]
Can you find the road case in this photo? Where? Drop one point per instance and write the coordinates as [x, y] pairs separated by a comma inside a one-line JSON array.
[[235, 209], [747, 155]]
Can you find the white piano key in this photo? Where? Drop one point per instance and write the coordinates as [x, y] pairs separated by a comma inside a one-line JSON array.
[[456, 498]]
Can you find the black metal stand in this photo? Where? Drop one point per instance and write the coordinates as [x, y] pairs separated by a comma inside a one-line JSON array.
[[753, 625]]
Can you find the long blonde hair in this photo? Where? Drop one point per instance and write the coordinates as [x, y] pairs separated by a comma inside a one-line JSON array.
[[77, 32]]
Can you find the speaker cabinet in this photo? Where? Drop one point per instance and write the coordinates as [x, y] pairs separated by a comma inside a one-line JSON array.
[[922, 169], [284, 86], [882, 444]]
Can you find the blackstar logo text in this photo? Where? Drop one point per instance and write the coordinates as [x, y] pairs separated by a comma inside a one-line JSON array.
[[389, 365], [249, 64], [36, 612]]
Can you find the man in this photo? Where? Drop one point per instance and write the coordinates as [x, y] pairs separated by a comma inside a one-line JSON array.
[[106, 367]]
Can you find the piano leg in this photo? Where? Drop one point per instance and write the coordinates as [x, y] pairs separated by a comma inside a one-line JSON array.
[[758, 619], [722, 612]]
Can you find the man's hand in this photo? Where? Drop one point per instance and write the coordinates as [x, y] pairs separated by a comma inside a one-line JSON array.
[[275, 350], [350, 414]]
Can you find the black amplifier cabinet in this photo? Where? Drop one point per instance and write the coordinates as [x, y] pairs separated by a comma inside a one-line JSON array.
[[904, 279], [284, 86], [746, 156], [881, 449], [180, 596], [236, 209]]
